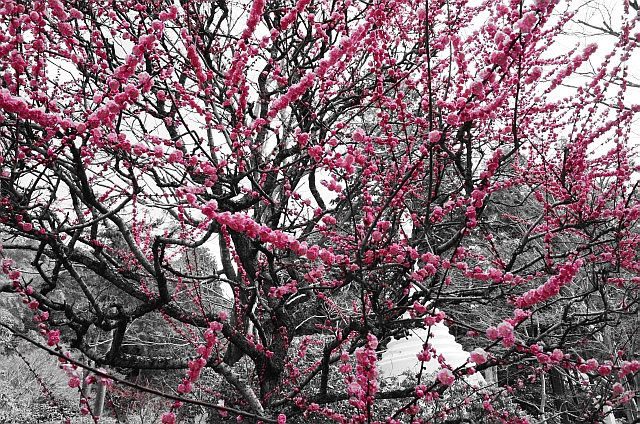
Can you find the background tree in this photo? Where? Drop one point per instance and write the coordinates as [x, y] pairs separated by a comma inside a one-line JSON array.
[[345, 163]]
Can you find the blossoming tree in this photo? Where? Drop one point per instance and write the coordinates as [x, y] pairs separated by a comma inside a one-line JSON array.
[[356, 169]]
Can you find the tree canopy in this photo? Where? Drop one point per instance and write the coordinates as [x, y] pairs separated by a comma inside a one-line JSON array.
[[268, 192]]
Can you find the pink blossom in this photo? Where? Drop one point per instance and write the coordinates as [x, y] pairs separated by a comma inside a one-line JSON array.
[[492, 333], [419, 308], [446, 377], [629, 367], [527, 22], [65, 29], [478, 356], [592, 364], [499, 58], [552, 287], [185, 387], [168, 418], [210, 208], [430, 320], [541, 4], [358, 135], [617, 388], [434, 136], [255, 15], [557, 356], [175, 156], [312, 253], [422, 13], [57, 10], [604, 370], [477, 88], [327, 257], [139, 149], [425, 355], [157, 26], [372, 341], [505, 329], [53, 337], [453, 119]]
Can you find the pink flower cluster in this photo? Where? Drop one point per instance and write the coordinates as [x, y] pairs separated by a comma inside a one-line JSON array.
[[23, 111], [427, 353], [255, 15], [73, 372], [196, 65], [503, 331], [292, 14], [359, 135], [445, 377], [57, 10], [171, 14], [527, 22], [279, 292], [551, 288], [196, 365], [53, 337], [625, 368], [346, 47], [534, 74], [431, 262], [168, 418], [294, 93], [439, 212], [492, 165], [629, 368], [243, 223], [422, 392], [554, 358], [431, 320], [478, 356], [363, 386], [519, 315]]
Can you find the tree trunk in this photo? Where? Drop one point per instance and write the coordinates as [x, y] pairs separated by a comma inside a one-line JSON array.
[[634, 382], [98, 404], [243, 303], [85, 387], [543, 393]]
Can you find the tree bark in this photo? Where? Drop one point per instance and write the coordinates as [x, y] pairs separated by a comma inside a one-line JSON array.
[[98, 404], [543, 393]]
